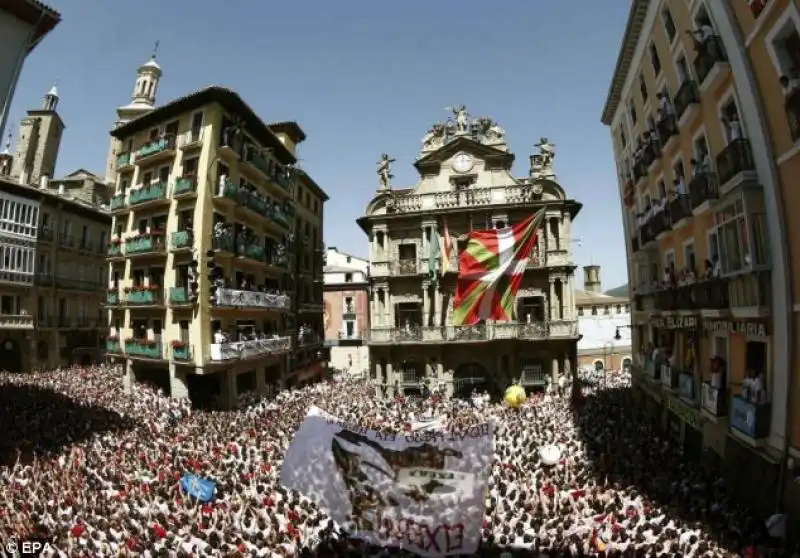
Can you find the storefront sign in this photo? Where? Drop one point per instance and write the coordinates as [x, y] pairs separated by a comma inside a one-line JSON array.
[[751, 329], [687, 414], [678, 322]]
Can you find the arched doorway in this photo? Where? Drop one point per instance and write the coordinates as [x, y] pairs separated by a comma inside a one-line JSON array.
[[10, 356], [626, 364], [470, 377]]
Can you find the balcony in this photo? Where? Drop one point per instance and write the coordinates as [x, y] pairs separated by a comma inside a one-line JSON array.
[[252, 251], [184, 186], [149, 243], [242, 350], [113, 346], [710, 62], [686, 389], [66, 241], [652, 371], [143, 296], [735, 165], [115, 249], [181, 240], [703, 190], [711, 295], [156, 149], [687, 102], [750, 419], [481, 332], [649, 156], [143, 348], [124, 160], [235, 298], [749, 295], [670, 377], [712, 400], [667, 130], [405, 268], [278, 216], [675, 299], [660, 222], [76, 284], [45, 234], [308, 339], [155, 192], [679, 209], [178, 296], [191, 139], [16, 321], [181, 350], [112, 296], [223, 243], [43, 279], [118, 203]]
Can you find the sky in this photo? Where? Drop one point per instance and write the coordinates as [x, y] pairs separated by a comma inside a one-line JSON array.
[[361, 78]]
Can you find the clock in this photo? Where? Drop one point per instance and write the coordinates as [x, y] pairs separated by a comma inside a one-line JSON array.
[[462, 162]]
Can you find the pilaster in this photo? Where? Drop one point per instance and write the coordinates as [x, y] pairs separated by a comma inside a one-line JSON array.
[[178, 388]]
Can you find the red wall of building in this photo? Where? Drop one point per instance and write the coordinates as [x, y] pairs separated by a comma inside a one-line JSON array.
[[334, 309]]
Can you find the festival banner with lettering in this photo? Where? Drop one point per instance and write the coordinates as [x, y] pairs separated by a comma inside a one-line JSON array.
[[421, 491]]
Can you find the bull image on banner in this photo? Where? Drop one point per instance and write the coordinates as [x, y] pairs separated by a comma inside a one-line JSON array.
[[421, 491]]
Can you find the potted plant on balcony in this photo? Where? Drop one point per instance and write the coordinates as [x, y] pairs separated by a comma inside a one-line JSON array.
[[150, 343], [178, 344]]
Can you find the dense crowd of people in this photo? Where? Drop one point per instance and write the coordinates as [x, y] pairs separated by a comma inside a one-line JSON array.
[[97, 471]]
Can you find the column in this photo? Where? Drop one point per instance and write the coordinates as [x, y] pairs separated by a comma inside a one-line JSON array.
[[437, 307], [228, 391], [555, 371], [389, 380], [389, 307], [129, 378], [178, 388], [426, 302], [568, 293], [553, 303]]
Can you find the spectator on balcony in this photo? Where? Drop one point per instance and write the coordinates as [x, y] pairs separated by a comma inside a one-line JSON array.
[[701, 167], [702, 36], [223, 180], [790, 84], [733, 128], [717, 372], [680, 188], [665, 108], [753, 387]]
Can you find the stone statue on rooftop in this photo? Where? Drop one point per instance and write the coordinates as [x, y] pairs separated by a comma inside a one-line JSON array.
[[385, 171]]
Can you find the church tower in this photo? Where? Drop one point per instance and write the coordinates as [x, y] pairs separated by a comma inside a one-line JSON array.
[[143, 101], [38, 142]]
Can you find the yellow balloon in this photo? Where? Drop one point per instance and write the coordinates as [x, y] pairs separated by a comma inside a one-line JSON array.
[[515, 396]]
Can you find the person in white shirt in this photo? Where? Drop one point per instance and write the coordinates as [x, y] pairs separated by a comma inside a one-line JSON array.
[[733, 128]]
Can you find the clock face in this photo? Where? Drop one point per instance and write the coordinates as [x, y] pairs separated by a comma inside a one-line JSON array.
[[462, 162]]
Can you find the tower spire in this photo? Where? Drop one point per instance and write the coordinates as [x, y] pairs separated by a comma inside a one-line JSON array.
[[155, 50], [51, 99]]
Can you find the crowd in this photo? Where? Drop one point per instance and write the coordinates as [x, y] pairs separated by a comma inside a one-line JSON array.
[[98, 472]]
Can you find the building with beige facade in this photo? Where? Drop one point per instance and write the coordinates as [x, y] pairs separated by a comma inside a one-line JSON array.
[[53, 237], [346, 315], [703, 110], [466, 183], [213, 285]]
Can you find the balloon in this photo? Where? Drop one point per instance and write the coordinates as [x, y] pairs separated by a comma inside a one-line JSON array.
[[550, 455], [515, 396]]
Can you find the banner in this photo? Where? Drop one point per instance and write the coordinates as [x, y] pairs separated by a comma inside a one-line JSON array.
[[202, 489], [421, 491], [429, 424]]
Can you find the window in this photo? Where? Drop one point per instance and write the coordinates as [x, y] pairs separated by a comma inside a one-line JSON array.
[[669, 24], [689, 258], [643, 88], [731, 123], [171, 129], [683, 69], [190, 167], [654, 59], [669, 260], [623, 139], [350, 329], [594, 310], [580, 310], [632, 111], [662, 190], [699, 148], [147, 178], [163, 175], [197, 123], [732, 238], [678, 170], [784, 45], [154, 133]]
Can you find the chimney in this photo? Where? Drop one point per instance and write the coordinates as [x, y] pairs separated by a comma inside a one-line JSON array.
[[61, 190], [591, 278], [44, 182]]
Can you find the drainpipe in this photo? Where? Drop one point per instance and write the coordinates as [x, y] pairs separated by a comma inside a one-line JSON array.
[[29, 44]]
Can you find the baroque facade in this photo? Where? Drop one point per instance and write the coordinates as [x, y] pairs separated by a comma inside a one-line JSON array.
[[704, 111], [215, 263], [466, 183]]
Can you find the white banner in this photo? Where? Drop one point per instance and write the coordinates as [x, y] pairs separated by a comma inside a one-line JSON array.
[[423, 491], [429, 424]]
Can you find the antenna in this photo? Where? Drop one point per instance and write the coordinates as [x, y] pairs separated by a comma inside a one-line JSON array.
[[155, 49]]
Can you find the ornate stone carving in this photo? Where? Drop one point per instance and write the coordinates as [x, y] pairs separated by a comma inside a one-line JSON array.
[[385, 171], [435, 137], [461, 119], [490, 131], [542, 164]]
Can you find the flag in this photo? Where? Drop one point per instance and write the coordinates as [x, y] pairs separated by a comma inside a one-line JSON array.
[[433, 254], [446, 248], [490, 271], [202, 489]]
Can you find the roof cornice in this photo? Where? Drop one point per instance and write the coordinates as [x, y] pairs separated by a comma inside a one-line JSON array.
[[630, 39]]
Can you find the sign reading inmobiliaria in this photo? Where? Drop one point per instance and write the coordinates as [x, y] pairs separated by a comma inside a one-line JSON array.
[[423, 491]]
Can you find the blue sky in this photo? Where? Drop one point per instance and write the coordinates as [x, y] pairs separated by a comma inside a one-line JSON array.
[[361, 77]]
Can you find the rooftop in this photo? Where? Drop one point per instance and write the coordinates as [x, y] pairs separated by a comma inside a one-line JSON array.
[[230, 101], [42, 17], [588, 297], [53, 198]]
